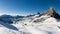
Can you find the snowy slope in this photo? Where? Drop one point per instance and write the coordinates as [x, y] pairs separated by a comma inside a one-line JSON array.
[[32, 25], [39, 25], [8, 29]]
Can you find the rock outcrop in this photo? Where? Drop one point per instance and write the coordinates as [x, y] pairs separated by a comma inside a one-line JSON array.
[[38, 14], [51, 12]]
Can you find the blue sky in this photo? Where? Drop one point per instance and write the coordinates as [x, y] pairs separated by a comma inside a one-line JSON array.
[[26, 7]]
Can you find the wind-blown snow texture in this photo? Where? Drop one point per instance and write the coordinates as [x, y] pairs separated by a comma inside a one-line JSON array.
[[33, 25]]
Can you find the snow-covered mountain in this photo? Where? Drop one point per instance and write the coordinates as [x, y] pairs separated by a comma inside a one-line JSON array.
[[33, 24], [10, 19], [39, 25]]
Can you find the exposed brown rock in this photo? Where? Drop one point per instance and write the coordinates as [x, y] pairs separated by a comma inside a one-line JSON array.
[[52, 13]]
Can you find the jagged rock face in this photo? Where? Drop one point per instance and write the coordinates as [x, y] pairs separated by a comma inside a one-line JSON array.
[[52, 13]]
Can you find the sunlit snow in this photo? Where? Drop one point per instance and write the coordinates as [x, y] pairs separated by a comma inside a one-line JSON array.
[[33, 25]]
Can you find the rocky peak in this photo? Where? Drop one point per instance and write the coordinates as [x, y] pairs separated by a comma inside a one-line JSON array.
[[51, 12]]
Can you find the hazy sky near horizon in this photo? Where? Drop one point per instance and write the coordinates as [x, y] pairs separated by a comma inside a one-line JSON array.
[[26, 7]]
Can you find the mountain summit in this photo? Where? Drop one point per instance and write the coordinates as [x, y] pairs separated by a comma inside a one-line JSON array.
[[51, 12]]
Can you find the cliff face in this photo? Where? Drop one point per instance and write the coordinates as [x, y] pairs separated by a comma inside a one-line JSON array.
[[52, 13]]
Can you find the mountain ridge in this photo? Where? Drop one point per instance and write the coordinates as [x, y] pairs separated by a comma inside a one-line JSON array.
[[51, 12]]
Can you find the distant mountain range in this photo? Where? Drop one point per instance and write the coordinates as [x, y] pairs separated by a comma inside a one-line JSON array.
[[9, 19]]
